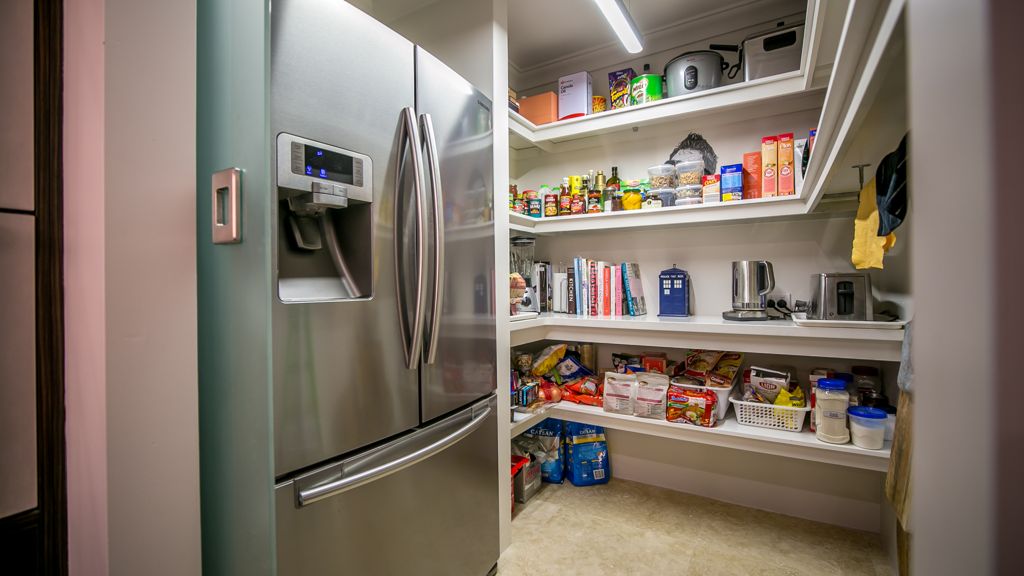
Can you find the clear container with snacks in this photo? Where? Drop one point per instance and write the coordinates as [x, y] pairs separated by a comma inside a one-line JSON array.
[[666, 195], [662, 176], [689, 172], [690, 194]]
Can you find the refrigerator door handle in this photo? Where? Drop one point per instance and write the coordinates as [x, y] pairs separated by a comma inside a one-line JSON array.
[[437, 195], [408, 138], [390, 458]]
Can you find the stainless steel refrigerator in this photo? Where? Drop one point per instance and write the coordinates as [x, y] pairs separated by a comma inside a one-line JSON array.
[[377, 225]]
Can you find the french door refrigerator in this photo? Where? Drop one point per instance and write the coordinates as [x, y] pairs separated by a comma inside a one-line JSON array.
[[347, 335]]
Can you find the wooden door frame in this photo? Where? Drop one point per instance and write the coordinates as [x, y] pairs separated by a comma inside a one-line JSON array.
[[49, 196]]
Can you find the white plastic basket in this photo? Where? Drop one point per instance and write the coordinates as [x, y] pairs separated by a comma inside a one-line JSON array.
[[769, 415]]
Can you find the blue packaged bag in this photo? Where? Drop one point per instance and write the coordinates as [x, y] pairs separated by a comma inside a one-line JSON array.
[[586, 454], [549, 435]]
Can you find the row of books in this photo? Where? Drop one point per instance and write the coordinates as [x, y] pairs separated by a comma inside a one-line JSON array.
[[590, 288]]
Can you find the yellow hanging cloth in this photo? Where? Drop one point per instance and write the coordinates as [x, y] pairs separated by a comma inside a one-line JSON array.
[[868, 247]]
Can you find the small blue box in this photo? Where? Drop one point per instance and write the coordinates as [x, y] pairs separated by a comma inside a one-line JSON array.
[[732, 182]]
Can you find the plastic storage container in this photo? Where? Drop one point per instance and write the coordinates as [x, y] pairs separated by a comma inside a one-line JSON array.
[[689, 172], [666, 195], [722, 406], [662, 176], [690, 194], [769, 416], [867, 426], [831, 401]]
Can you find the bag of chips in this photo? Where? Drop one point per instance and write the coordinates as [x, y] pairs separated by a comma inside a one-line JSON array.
[[547, 359]]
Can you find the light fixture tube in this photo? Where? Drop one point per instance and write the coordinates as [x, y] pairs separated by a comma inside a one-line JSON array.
[[622, 23]]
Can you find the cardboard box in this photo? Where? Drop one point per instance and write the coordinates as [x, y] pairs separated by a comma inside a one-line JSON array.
[[539, 109], [712, 191], [769, 167], [732, 182], [618, 87], [752, 175], [575, 95], [787, 183]]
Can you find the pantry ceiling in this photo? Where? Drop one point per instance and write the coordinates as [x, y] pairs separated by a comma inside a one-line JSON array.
[[542, 30]]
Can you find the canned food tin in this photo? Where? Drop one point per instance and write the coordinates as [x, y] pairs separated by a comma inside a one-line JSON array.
[[535, 207], [551, 205]]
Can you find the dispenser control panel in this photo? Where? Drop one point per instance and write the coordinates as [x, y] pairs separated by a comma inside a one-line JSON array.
[[303, 164]]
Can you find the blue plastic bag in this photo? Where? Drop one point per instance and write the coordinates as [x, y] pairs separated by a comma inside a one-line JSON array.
[[552, 467], [586, 454]]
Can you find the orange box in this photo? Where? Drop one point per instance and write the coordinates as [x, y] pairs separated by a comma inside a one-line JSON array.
[[751, 175], [540, 108], [769, 166], [787, 185]]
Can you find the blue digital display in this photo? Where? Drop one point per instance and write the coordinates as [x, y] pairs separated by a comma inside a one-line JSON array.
[[329, 165]]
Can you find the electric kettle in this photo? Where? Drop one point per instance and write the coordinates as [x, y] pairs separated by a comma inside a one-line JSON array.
[[752, 281]]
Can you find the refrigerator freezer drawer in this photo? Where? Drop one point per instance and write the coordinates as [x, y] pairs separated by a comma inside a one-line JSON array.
[[435, 513]]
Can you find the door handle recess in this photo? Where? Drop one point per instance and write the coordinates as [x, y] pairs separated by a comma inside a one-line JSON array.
[[226, 215], [408, 138], [365, 469], [437, 195]]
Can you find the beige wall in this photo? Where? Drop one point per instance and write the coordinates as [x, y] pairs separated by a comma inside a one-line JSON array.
[[953, 509], [133, 478]]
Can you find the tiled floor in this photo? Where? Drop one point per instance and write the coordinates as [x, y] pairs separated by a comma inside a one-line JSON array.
[[625, 528]]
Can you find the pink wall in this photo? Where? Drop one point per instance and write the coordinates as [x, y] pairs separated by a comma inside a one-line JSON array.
[[130, 278], [85, 281]]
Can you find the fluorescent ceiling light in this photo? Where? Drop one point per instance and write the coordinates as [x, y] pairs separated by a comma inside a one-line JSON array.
[[622, 23]]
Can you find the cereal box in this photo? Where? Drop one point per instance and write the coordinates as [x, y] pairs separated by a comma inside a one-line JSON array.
[[769, 166], [787, 185]]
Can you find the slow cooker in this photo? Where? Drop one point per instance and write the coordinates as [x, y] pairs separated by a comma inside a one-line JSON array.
[[694, 71]]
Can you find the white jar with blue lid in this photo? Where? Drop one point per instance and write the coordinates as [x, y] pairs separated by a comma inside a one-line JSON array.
[[830, 406], [867, 426]]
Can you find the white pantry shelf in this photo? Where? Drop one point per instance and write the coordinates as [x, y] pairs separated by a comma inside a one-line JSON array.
[[735, 102], [523, 421], [731, 434], [715, 333], [756, 210]]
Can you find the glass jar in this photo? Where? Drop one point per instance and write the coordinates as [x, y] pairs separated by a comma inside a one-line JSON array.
[[831, 403], [632, 199]]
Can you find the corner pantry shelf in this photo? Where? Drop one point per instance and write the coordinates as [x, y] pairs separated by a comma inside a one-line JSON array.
[[760, 209], [731, 434], [713, 332], [787, 92], [523, 421]]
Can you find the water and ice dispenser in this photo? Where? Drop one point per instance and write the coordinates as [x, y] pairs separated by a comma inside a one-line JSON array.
[[324, 236]]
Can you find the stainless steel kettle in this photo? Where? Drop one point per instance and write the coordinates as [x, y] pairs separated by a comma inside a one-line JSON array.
[[752, 281]]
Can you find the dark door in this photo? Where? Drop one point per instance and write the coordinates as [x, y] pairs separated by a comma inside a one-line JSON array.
[[33, 501]]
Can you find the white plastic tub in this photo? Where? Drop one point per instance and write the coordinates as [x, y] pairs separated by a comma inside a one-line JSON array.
[[722, 394]]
